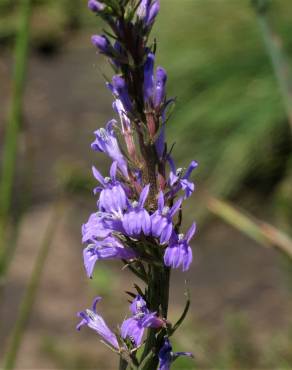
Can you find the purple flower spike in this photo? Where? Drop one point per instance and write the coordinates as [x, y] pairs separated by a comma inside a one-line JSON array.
[[160, 82], [107, 143], [137, 219], [119, 88], [148, 77], [94, 321], [112, 195], [161, 220], [179, 253], [95, 6], [142, 318], [166, 356], [109, 248], [102, 43]]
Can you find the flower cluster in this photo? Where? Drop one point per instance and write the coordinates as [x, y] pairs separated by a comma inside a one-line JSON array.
[[139, 206], [131, 329]]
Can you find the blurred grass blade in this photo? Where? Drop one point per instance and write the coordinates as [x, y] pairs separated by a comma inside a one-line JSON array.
[[273, 44], [13, 123], [31, 290], [262, 232]]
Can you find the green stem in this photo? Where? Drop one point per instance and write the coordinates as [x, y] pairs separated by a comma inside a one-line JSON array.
[[123, 364], [31, 290], [13, 125], [158, 296]]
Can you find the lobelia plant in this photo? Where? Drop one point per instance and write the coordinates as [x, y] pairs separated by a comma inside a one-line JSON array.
[[139, 215]]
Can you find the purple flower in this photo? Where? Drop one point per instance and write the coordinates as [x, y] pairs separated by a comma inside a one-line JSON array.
[[112, 195], [102, 43], [154, 92], [137, 220], [109, 248], [142, 318], [94, 321], [178, 182], [161, 220], [94, 229], [160, 83], [107, 142], [95, 6], [166, 356], [147, 11], [148, 77], [179, 251], [119, 88]]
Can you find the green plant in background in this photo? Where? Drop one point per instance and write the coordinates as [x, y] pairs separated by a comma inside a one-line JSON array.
[[12, 131], [232, 93], [30, 293]]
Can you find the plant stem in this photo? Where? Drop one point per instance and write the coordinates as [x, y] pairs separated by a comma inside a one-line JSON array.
[[13, 126], [31, 290], [158, 295], [123, 364]]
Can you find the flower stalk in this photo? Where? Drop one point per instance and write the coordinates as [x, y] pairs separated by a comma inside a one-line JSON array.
[[139, 215]]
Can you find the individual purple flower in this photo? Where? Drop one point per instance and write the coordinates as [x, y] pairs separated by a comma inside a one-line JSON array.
[[102, 43], [148, 77], [96, 6], [166, 356], [179, 253], [147, 11], [94, 321], [106, 142], [142, 318], [154, 91], [112, 195], [108, 248], [119, 88], [94, 229], [160, 82], [179, 181], [161, 220], [137, 220]]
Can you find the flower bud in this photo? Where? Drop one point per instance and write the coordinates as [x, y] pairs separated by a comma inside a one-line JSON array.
[[153, 12], [102, 43], [147, 11], [160, 82], [148, 77], [95, 6]]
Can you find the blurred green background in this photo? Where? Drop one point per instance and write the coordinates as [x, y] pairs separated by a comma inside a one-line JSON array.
[[229, 116]]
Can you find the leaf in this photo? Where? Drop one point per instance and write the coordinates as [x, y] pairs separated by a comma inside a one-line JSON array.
[[262, 232]]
